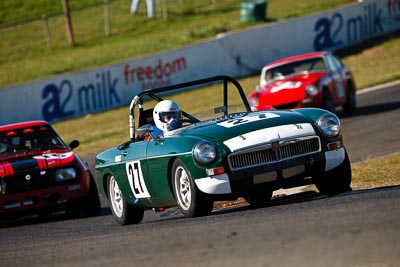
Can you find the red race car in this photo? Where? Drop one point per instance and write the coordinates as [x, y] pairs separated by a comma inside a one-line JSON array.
[[39, 174], [317, 79]]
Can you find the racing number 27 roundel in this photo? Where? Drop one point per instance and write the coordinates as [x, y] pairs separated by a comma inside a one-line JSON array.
[[136, 181]]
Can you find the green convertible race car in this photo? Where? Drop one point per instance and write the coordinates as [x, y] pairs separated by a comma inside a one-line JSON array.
[[221, 151]]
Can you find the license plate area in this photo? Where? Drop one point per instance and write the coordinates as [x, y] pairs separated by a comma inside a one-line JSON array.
[[293, 171], [274, 175], [265, 177]]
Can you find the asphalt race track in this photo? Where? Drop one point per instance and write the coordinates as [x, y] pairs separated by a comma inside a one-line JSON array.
[[358, 228], [373, 130]]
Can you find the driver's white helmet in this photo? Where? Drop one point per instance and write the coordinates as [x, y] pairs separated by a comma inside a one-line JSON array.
[[167, 115]]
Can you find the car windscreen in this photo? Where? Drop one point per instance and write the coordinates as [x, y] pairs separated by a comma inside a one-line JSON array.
[[292, 68], [206, 102], [209, 103], [37, 138]]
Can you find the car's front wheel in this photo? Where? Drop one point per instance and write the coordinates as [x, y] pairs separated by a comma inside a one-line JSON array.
[[335, 181], [91, 205], [192, 202], [88, 206], [328, 101], [123, 212]]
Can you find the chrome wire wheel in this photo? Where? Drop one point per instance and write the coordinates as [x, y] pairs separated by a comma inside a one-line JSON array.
[[183, 188], [117, 202], [191, 201]]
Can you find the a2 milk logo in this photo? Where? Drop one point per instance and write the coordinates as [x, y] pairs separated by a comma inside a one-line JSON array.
[[64, 100], [154, 76], [337, 30]]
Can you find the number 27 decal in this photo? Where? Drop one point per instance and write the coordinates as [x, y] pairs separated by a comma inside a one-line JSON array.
[[136, 181]]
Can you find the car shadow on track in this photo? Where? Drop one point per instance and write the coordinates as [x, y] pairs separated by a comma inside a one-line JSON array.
[[370, 110], [17, 221], [220, 208], [278, 200], [14, 221], [301, 197], [240, 205]]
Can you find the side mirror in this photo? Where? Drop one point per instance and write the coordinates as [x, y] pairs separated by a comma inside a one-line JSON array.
[[74, 144], [124, 145]]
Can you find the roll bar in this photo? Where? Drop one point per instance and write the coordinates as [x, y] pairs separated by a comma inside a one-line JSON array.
[[138, 99]]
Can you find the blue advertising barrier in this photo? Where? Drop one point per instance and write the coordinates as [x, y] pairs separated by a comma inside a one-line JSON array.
[[236, 54]]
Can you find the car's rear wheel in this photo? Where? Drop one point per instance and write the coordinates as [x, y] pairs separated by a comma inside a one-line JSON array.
[[350, 105], [123, 212], [335, 181], [192, 202]]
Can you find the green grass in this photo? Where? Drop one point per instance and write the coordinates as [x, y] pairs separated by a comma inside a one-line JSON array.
[[376, 173], [24, 55], [375, 62], [13, 11]]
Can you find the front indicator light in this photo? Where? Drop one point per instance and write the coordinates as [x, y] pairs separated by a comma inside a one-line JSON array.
[[215, 171], [334, 145], [74, 187]]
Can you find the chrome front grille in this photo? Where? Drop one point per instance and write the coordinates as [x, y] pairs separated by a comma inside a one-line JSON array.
[[274, 152]]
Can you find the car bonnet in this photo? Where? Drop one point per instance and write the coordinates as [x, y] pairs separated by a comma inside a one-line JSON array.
[[36, 163], [298, 81], [251, 128]]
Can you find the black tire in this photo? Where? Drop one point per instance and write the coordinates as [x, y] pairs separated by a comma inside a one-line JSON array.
[[257, 197], [122, 211], [328, 101], [335, 181], [350, 105], [89, 206], [191, 201]]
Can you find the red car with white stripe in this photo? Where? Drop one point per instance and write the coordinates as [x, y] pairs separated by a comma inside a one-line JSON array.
[[317, 79], [39, 174]]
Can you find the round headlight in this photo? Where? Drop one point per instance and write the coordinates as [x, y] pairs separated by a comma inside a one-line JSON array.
[[253, 101], [311, 90], [3, 187], [204, 152], [329, 124], [65, 174]]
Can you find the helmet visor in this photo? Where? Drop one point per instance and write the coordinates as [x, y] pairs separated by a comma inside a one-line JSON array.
[[168, 116]]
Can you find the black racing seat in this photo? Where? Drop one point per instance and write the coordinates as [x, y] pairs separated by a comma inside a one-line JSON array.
[[146, 117]]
